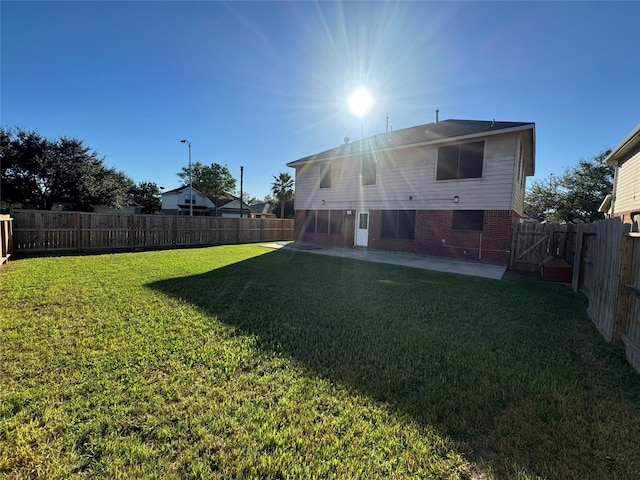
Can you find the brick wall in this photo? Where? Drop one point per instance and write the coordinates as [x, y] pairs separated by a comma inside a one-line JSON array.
[[626, 216], [434, 235]]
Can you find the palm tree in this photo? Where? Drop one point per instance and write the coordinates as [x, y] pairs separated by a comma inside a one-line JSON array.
[[282, 189]]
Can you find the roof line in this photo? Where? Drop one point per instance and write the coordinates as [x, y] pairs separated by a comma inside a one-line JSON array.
[[309, 159], [628, 142]]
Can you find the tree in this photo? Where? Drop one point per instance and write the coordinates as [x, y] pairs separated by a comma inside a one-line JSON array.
[[211, 180], [574, 196], [249, 200], [282, 189], [38, 173], [147, 194]]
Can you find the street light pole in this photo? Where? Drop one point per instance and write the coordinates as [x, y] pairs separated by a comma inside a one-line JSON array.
[[190, 179]]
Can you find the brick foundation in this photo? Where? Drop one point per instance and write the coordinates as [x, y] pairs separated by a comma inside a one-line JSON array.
[[434, 235], [627, 217]]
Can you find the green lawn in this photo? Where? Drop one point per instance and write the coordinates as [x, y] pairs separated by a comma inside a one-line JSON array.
[[244, 362]]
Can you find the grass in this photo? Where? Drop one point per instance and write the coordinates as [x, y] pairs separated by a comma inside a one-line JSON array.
[[242, 362]]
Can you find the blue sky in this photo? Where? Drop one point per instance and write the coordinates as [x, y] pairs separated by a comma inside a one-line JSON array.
[[262, 84]]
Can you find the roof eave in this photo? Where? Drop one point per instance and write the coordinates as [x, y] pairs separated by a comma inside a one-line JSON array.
[[625, 148], [310, 159]]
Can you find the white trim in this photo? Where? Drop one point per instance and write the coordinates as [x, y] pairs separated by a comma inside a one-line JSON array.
[[357, 227]]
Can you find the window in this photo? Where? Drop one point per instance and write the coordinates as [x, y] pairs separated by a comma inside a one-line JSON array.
[[325, 175], [460, 161], [369, 168], [468, 219], [335, 222], [521, 168], [398, 224], [363, 223], [188, 199], [310, 221], [322, 219]]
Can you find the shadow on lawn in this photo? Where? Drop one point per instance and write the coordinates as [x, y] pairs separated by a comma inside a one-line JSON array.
[[512, 367]]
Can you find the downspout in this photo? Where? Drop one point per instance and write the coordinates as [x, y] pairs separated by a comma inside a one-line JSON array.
[[480, 248]]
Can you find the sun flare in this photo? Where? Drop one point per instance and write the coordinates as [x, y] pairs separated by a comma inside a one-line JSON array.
[[360, 102]]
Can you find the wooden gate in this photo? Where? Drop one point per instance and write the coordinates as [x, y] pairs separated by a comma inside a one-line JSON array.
[[533, 242]]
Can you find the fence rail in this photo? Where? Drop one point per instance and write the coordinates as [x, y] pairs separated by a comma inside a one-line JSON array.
[[38, 231], [6, 238]]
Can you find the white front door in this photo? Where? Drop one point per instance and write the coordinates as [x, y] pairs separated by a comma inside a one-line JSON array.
[[362, 228]]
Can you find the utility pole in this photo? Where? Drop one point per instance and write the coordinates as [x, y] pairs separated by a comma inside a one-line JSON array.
[[190, 179], [241, 179]]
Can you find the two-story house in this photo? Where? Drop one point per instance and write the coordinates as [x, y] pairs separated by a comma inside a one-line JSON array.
[[177, 202], [180, 201], [625, 200], [452, 188]]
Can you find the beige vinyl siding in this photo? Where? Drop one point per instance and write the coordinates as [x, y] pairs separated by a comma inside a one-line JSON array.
[[411, 172], [519, 179], [628, 186]]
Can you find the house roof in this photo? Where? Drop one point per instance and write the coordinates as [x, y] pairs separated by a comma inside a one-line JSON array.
[[262, 208], [224, 203], [627, 148], [430, 133], [180, 190]]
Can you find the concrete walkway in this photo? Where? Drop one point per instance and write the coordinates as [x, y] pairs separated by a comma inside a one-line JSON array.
[[437, 264]]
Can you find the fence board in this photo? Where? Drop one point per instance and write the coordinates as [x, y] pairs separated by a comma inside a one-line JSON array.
[[605, 265], [535, 242], [6, 238], [631, 333], [37, 231], [606, 269]]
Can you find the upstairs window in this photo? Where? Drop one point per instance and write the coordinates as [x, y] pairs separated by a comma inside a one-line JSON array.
[[460, 161], [325, 175], [188, 199], [369, 170]]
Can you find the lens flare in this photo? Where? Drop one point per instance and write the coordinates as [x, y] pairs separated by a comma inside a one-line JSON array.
[[360, 102]]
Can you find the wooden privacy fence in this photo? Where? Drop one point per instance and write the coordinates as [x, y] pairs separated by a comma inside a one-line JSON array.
[[6, 237], [39, 231], [606, 269], [533, 242]]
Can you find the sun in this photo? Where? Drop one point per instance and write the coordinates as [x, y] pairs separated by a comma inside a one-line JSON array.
[[360, 102]]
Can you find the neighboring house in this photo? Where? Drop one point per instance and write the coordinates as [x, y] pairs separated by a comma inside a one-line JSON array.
[[452, 188], [230, 208], [262, 210], [177, 202], [625, 200]]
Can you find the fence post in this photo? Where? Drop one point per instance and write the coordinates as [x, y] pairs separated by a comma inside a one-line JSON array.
[[131, 232], [514, 236], [577, 258], [78, 232]]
